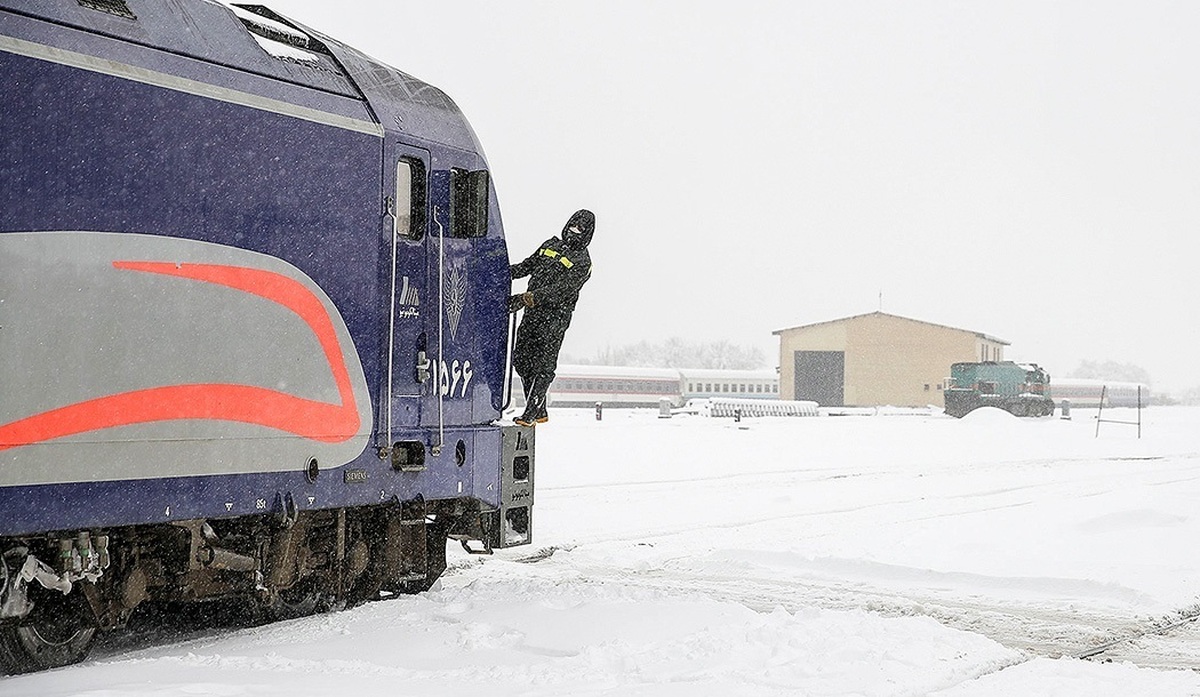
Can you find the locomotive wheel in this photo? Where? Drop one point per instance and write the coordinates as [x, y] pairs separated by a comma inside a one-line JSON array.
[[59, 631]]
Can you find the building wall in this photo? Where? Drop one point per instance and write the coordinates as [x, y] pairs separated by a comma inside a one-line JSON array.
[[889, 360], [901, 362]]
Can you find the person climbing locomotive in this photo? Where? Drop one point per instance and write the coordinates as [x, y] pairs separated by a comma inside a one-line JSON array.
[[557, 271]]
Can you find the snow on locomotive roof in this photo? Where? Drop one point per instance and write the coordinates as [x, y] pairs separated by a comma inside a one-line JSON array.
[[219, 51], [276, 38], [293, 36]]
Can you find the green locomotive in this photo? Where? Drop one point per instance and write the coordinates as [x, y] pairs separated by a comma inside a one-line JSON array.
[[1018, 388]]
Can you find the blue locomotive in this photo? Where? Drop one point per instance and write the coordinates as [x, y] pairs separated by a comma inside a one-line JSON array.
[[253, 323]]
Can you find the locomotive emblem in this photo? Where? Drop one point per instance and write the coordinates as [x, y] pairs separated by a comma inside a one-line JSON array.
[[456, 298]]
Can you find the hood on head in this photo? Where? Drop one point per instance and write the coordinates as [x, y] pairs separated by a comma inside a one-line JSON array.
[[585, 221]]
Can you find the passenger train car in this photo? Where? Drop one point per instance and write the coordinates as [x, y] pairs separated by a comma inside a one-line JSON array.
[[624, 386], [253, 322], [740, 384], [1086, 393]]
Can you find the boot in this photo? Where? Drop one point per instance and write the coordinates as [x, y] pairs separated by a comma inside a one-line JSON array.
[[535, 405], [529, 418]]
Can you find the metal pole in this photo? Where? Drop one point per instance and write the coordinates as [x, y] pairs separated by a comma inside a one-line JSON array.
[[441, 364], [1139, 412], [391, 356]]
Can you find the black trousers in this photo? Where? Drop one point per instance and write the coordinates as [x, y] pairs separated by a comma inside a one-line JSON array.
[[535, 355]]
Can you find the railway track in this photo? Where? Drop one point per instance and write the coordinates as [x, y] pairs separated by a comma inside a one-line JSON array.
[[1037, 630], [1171, 643]]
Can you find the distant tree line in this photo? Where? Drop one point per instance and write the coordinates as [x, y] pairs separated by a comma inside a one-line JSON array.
[[1190, 396], [1111, 370], [678, 353]]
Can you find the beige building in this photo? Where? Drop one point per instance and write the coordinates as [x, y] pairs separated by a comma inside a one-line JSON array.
[[876, 359]]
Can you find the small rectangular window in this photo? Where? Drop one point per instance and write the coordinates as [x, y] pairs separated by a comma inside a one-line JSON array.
[[409, 206], [926, 387], [468, 203]]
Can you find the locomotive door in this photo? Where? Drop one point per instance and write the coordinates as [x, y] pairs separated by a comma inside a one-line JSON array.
[[406, 284], [457, 231], [435, 220]]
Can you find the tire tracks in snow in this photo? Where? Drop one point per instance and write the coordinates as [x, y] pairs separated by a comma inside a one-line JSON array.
[[1171, 641]]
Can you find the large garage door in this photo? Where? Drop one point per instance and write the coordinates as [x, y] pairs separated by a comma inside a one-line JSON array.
[[820, 375]]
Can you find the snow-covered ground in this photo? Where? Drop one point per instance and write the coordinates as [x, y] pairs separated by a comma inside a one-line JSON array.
[[887, 555]]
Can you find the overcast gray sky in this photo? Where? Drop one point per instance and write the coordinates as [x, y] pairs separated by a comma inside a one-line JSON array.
[[1030, 170]]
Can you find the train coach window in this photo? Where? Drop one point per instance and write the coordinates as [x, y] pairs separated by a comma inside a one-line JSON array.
[[468, 203], [409, 205]]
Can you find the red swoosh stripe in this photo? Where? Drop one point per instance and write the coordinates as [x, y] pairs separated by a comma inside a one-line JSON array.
[[319, 421]]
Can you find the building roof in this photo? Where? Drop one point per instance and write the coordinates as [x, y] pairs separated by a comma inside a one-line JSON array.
[[981, 335]]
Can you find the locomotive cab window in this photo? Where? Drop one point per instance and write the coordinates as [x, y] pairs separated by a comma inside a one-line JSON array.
[[410, 199], [468, 203]]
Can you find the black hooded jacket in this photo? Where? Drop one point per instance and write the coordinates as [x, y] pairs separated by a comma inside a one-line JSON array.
[[560, 266]]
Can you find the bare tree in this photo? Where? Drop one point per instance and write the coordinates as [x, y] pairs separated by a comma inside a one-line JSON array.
[[678, 353], [1111, 370]]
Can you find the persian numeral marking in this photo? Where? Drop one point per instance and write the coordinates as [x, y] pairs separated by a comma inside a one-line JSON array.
[[443, 378], [260, 504], [449, 378], [455, 374]]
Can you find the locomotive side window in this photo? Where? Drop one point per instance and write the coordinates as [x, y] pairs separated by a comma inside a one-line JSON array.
[[410, 199], [468, 203]]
